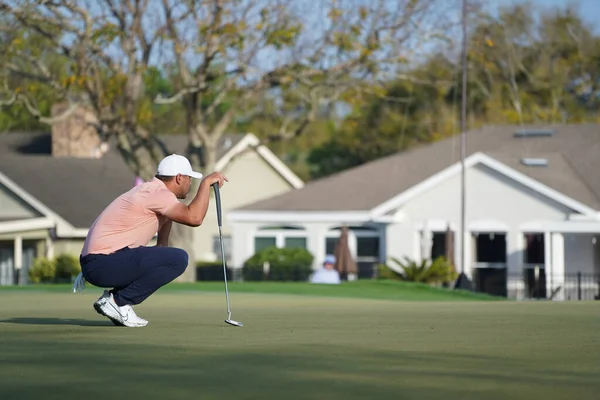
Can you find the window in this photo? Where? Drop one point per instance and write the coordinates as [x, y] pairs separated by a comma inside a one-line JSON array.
[[280, 236], [295, 242], [438, 247], [263, 242], [534, 249], [491, 248], [6, 266], [367, 247], [330, 243], [216, 247]]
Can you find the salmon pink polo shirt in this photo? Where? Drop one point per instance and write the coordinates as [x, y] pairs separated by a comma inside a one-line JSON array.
[[131, 220]]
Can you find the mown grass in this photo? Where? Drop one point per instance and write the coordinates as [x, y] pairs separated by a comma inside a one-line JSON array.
[[366, 289], [54, 346]]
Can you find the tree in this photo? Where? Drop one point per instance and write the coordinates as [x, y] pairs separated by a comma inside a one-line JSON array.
[[233, 58], [521, 70], [104, 50], [408, 112], [526, 70]]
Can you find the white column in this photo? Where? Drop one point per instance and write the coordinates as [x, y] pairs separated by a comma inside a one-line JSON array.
[[515, 248], [416, 242], [18, 259], [425, 241], [49, 248], [467, 241], [548, 261], [514, 263], [558, 263], [18, 252], [316, 243]]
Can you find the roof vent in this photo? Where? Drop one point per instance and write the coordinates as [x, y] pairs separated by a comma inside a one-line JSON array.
[[228, 143], [534, 132], [534, 162]]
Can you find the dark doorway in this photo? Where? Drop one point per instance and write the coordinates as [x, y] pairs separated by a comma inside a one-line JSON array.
[[534, 249], [490, 257], [490, 248], [438, 246]]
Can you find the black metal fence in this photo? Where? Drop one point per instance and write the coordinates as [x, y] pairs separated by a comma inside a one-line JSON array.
[[538, 286]]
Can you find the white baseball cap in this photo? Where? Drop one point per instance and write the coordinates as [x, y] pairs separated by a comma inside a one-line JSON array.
[[174, 165]]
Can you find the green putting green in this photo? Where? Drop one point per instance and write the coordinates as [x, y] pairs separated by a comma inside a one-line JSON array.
[[53, 345]]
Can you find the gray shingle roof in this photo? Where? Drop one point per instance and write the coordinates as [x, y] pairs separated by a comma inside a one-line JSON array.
[[76, 189], [574, 169]]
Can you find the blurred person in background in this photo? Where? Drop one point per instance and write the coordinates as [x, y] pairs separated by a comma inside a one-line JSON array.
[[327, 274]]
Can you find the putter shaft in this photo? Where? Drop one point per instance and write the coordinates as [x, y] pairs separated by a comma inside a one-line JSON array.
[[224, 271]]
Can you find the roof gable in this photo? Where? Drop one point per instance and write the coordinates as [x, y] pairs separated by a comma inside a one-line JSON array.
[[32, 201], [481, 158], [383, 179], [75, 190]]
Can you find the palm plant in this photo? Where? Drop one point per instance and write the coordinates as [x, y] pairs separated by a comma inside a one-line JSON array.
[[425, 271]]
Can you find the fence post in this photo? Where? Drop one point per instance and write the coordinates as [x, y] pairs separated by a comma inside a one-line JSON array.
[[579, 286]]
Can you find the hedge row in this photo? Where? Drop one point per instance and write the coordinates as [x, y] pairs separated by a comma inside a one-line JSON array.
[[269, 264]]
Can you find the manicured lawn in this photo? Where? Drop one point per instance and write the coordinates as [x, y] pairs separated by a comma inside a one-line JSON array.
[[298, 346], [367, 289]]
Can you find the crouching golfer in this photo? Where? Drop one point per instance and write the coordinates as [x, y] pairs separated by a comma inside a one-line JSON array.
[[115, 253]]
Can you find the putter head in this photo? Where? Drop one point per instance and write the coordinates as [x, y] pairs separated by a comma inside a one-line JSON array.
[[234, 323]]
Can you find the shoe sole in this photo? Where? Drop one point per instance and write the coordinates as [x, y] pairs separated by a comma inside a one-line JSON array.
[[98, 309]]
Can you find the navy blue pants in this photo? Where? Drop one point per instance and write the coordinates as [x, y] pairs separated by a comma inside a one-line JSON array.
[[134, 274]]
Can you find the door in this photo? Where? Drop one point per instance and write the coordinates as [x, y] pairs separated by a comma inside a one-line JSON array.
[[367, 255]]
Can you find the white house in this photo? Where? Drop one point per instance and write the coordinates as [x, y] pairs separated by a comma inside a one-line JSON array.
[[532, 210], [54, 185]]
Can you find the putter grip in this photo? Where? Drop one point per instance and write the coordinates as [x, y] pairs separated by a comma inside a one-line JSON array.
[[218, 201]]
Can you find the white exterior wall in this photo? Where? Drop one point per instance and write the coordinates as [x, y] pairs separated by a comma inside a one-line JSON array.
[[579, 253], [596, 244], [494, 203], [251, 179]]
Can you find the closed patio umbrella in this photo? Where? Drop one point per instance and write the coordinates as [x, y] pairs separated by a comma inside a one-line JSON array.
[[344, 263]]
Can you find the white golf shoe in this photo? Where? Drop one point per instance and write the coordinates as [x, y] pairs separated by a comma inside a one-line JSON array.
[[120, 316]]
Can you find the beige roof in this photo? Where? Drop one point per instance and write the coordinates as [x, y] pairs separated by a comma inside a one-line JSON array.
[[75, 188], [573, 154]]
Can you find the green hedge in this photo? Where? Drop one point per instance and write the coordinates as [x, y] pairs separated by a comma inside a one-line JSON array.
[[61, 269], [211, 271], [287, 264]]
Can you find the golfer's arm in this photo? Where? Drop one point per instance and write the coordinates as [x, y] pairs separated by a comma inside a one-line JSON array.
[[163, 234], [192, 214]]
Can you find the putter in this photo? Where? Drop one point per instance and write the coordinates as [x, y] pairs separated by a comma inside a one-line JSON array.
[[220, 220]]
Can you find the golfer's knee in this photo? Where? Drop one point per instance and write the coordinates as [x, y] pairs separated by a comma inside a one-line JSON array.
[[180, 260]]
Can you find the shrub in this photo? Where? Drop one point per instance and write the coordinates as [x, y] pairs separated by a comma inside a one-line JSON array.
[[211, 271], [43, 270], [426, 271], [61, 269], [385, 272], [67, 267], [286, 264]]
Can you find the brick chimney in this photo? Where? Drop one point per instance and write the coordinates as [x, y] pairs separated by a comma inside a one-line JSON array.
[[73, 136]]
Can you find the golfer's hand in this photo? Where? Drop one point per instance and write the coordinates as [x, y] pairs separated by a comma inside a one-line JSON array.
[[215, 177]]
